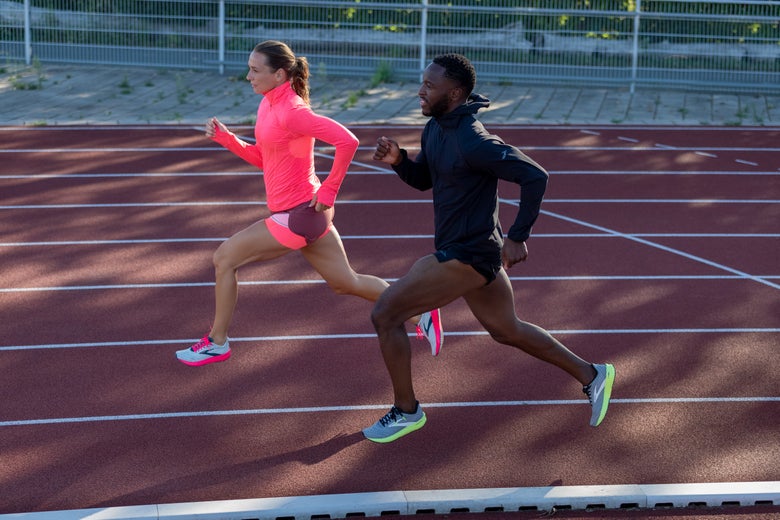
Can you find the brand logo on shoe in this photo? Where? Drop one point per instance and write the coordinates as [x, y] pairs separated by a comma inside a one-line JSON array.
[[599, 390], [427, 327]]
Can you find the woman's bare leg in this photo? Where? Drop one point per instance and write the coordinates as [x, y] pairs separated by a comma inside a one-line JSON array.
[[253, 244], [328, 257]]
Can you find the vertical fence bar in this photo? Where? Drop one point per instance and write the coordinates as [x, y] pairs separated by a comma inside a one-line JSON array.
[[423, 35], [27, 34], [635, 45], [221, 37]]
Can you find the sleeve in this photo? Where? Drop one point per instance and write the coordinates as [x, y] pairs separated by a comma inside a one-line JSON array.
[[506, 162], [248, 152], [415, 172], [305, 122]]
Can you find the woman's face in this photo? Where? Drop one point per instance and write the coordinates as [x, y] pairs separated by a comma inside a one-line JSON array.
[[261, 76]]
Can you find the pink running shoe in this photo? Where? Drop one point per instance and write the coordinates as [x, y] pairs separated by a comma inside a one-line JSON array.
[[430, 328], [204, 352]]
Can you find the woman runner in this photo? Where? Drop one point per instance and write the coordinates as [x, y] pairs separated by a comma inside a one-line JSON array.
[[301, 206]]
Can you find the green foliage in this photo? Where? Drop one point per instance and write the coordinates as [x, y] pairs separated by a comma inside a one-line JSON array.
[[605, 19], [383, 74]]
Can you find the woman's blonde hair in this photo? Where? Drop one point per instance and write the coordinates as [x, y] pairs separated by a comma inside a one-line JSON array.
[[280, 56]]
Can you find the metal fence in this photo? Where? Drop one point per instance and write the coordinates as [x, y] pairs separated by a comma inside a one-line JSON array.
[[714, 45]]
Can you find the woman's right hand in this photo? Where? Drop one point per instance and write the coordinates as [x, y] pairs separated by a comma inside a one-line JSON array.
[[213, 125]]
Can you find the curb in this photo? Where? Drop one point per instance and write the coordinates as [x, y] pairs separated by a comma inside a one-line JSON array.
[[440, 502]]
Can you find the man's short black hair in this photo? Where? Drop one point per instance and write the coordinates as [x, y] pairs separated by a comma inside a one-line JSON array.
[[459, 69]]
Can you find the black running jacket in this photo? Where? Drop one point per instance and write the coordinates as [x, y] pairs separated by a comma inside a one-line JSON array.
[[462, 162]]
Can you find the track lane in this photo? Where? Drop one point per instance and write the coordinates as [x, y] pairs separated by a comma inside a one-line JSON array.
[[647, 438]]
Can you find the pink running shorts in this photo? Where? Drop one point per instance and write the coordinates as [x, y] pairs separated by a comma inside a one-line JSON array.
[[300, 226]]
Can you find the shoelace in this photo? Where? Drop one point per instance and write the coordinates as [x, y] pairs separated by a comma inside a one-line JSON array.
[[586, 391], [392, 416], [200, 345]]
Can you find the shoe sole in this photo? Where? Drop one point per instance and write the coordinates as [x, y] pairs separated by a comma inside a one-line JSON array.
[[400, 433], [436, 347], [438, 333], [609, 380], [215, 359]]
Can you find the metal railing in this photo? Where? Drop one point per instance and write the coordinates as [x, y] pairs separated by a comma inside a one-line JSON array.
[[714, 45]]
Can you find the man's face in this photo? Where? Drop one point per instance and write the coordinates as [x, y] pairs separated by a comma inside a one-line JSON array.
[[437, 93]]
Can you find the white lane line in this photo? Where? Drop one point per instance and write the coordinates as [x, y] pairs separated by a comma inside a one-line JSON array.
[[143, 241], [354, 408], [652, 130], [39, 151], [749, 163], [665, 248], [654, 148], [705, 173], [663, 201], [380, 201], [552, 128], [249, 283], [331, 337], [705, 154], [111, 242], [193, 204], [108, 175], [370, 169]]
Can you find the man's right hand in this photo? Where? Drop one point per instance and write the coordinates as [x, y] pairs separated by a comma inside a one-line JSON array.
[[387, 151]]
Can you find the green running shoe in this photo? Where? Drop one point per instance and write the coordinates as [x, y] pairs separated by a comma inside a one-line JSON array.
[[599, 391], [395, 424]]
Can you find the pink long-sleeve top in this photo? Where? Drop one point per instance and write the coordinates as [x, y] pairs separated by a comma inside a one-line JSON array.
[[285, 132]]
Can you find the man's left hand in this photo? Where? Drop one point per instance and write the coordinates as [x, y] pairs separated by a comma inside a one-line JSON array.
[[513, 252]]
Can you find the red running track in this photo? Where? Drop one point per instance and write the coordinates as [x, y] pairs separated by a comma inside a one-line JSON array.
[[657, 251]]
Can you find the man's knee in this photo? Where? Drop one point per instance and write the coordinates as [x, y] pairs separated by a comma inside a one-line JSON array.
[[509, 333], [501, 337], [379, 314], [384, 315]]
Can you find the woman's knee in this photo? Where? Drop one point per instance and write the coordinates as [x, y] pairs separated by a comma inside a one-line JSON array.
[[222, 259], [343, 285]]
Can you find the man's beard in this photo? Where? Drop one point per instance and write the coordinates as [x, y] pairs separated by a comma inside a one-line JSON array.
[[439, 109]]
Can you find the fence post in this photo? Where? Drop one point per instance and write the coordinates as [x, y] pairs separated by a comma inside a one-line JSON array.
[[221, 37], [27, 34], [635, 45], [423, 35]]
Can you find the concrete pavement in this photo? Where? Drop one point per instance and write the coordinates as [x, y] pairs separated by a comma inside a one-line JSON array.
[[56, 94]]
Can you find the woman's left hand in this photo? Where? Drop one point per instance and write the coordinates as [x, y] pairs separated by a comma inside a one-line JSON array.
[[318, 206]]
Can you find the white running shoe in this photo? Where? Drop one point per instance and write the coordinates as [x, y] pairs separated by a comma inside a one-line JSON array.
[[599, 391], [395, 424], [204, 352], [429, 327]]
